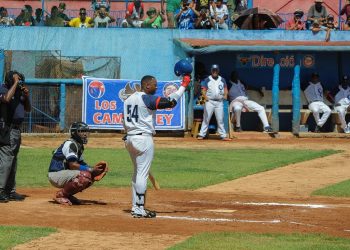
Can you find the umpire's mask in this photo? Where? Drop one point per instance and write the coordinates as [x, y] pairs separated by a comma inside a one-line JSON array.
[[79, 131]]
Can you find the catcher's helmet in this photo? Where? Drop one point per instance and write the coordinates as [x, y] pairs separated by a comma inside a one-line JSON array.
[[79, 131], [183, 67]]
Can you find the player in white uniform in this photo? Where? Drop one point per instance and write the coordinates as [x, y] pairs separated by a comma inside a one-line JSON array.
[[239, 100], [214, 90], [139, 114], [314, 96], [342, 103]]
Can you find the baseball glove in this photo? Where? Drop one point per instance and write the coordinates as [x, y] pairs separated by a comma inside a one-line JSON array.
[[99, 171]]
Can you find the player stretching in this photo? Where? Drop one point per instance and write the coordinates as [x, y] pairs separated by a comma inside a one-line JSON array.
[[139, 112]]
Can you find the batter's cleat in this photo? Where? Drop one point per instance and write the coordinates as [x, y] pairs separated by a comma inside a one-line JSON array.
[[16, 197], [268, 129], [74, 200], [317, 129], [237, 129], [144, 214]]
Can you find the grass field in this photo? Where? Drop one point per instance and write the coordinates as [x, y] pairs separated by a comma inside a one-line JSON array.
[[341, 189], [176, 168], [209, 241], [11, 236]]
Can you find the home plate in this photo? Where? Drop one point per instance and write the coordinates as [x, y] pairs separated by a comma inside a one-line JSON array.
[[222, 210]]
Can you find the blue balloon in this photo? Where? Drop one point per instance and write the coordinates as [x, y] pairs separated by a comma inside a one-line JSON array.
[[183, 67]]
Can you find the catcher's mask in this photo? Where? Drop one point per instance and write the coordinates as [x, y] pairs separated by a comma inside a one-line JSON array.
[[79, 131]]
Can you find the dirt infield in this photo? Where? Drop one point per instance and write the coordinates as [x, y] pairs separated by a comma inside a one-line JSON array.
[[274, 201]]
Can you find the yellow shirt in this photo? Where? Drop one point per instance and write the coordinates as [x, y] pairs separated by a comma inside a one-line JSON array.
[[77, 23]]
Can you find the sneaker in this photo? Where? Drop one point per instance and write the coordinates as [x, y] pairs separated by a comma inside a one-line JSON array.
[[144, 214], [237, 129], [317, 129], [200, 137], [16, 197], [3, 198], [268, 129]]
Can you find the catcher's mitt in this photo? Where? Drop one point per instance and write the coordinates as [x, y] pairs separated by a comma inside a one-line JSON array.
[[99, 171]]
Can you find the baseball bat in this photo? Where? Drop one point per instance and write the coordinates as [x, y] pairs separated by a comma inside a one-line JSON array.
[[154, 182]]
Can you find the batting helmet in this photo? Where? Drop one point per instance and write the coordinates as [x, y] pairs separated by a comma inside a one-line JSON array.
[[183, 67], [79, 131]]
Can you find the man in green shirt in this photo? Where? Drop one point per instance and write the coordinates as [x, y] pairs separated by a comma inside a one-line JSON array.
[[154, 19]]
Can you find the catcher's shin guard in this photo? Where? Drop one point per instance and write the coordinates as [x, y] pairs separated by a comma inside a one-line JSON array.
[[78, 184]]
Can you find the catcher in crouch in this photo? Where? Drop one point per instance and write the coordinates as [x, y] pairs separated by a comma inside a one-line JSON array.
[[69, 171]]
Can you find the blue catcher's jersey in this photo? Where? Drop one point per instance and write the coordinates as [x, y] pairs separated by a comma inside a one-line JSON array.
[[69, 151]]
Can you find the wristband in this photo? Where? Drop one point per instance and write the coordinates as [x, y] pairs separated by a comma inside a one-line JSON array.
[[84, 168]]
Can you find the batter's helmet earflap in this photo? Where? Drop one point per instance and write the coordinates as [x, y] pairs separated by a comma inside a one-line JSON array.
[[79, 131], [183, 67]]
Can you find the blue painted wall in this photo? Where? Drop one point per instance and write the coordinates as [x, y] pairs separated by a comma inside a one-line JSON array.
[[147, 51]]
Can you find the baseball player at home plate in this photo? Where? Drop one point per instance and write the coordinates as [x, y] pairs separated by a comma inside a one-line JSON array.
[[139, 114], [239, 101], [214, 90]]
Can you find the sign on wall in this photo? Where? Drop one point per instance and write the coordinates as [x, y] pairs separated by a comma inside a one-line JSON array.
[[103, 103], [266, 60]]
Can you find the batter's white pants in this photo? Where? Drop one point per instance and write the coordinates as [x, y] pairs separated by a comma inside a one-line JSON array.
[[141, 151], [210, 107], [317, 108], [237, 106], [341, 110]]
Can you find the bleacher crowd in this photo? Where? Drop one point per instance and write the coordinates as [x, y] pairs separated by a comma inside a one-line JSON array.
[[182, 14]]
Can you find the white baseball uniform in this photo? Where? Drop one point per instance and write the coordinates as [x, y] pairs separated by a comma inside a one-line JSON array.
[[314, 96], [139, 115], [239, 100], [215, 103], [342, 103]]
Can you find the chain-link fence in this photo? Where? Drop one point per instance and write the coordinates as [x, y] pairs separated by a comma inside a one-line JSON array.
[[56, 103]]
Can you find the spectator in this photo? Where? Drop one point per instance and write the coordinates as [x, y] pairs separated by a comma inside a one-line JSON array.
[[171, 7], [316, 27], [346, 25], [82, 21], [61, 14], [317, 12], [204, 21], [342, 102], [5, 20], [185, 16], [200, 4], [38, 20], [330, 24], [102, 19], [214, 90], [97, 4], [154, 19], [314, 92], [296, 23], [134, 15], [25, 18], [346, 9], [240, 102], [54, 20], [236, 9], [219, 13]]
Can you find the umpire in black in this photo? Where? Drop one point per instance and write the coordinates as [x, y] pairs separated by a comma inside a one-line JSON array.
[[14, 102]]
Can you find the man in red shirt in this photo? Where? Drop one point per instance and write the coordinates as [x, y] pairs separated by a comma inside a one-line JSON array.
[[296, 23], [134, 15], [346, 9]]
